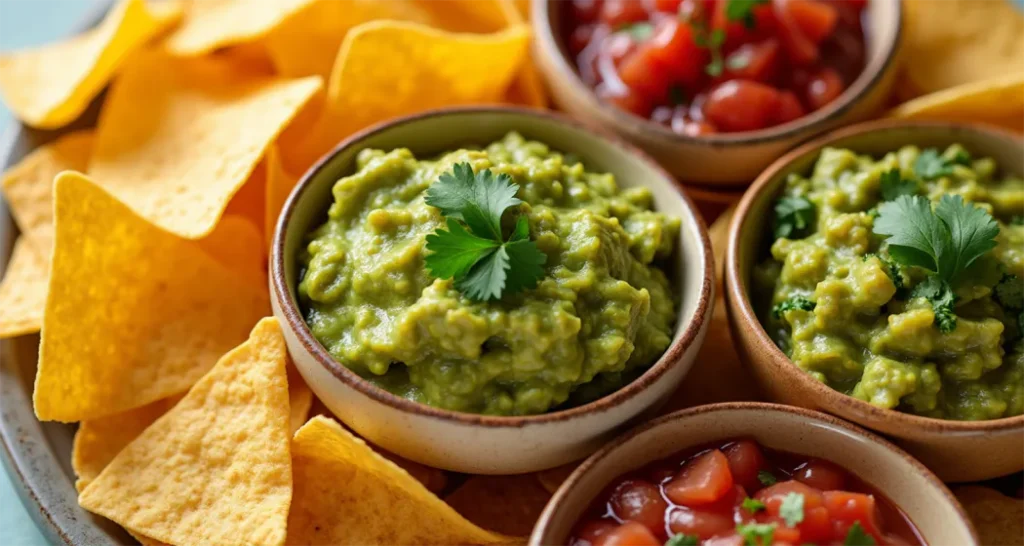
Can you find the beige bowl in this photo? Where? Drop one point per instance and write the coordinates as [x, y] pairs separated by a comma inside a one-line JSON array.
[[955, 450], [729, 158], [909, 485], [475, 443]]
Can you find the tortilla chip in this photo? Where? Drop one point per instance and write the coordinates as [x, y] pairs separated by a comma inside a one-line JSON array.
[[28, 186], [954, 42], [999, 519], [178, 138], [50, 86], [506, 504], [215, 469], [155, 316], [300, 399], [552, 478], [528, 87], [237, 245], [280, 184], [998, 101], [98, 441], [379, 503], [212, 24], [23, 291], [391, 68]]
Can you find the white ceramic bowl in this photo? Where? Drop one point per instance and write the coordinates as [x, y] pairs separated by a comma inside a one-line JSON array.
[[476, 443], [892, 472]]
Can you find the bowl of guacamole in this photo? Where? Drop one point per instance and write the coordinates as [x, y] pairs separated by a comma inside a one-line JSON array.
[[882, 279], [490, 271]]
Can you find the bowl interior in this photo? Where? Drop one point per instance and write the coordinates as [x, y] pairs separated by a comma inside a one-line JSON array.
[[433, 133], [893, 473]]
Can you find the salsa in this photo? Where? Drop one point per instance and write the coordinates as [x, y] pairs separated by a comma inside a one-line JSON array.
[[739, 493], [716, 66], [599, 315]]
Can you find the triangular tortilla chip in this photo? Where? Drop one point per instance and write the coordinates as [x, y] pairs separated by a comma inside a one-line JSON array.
[[998, 101], [300, 399], [50, 86], [134, 314], [212, 24], [507, 504], [23, 291], [215, 469], [179, 137], [345, 493], [280, 184]]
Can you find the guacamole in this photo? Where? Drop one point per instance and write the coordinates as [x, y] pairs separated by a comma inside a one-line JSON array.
[[838, 304], [601, 314]]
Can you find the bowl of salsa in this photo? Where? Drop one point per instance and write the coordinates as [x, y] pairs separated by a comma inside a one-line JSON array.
[[746, 473], [738, 79]]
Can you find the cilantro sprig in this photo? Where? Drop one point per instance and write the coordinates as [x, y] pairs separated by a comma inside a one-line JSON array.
[[856, 536], [793, 216], [893, 185], [930, 164], [682, 539], [795, 303], [743, 10], [792, 509], [766, 478], [483, 263], [756, 534], [752, 505]]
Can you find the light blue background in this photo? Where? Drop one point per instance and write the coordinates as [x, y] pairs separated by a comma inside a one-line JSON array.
[[25, 23]]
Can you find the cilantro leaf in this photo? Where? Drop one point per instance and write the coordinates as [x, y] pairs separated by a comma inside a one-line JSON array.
[[526, 260], [857, 537], [756, 534], [792, 509], [766, 478], [639, 31], [681, 539], [478, 200], [793, 215], [892, 269], [796, 302], [742, 10], [942, 298], [973, 231], [486, 279], [453, 252], [752, 505], [894, 185], [930, 164], [916, 236]]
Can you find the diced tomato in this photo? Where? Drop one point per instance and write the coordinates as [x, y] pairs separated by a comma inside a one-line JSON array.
[[816, 19], [731, 539], [675, 51], [824, 87], [757, 61], [630, 533], [661, 472], [821, 474], [640, 501], [789, 107], [580, 38], [800, 48], [729, 501], [667, 6], [741, 105], [816, 526], [703, 480], [737, 32], [695, 10], [783, 533], [628, 100], [845, 508], [745, 460], [592, 533], [641, 72], [622, 12], [696, 521], [772, 495]]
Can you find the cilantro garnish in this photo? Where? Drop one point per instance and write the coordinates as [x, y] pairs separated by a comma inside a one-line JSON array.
[[792, 509], [639, 31], [756, 534], [892, 269], [1010, 292], [752, 505], [931, 164], [942, 298], [894, 185], [742, 10], [766, 478], [857, 537], [681, 539], [484, 265], [713, 43], [796, 302], [793, 215]]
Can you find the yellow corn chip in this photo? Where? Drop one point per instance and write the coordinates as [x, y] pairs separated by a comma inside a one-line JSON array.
[[998, 101], [28, 186], [506, 504], [50, 86], [379, 502], [179, 137], [954, 42], [279, 185], [215, 469], [250, 201], [300, 399], [23, 291], [212, 24], [528, 87], [238, 245], [999, 519], [390, 68], [156, 314]]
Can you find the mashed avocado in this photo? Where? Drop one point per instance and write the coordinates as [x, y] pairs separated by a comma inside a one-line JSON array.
[[601, 315], [845, 312]]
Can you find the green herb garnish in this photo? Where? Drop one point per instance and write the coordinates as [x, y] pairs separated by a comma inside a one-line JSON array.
[[484, 265], [894, 185], [742, 10], [793, 215], [752, 505], [892, 269], [792, 509], [756, 534], [931, 164], [639, 31], [766, 478], [796, 302], [857, 537], [713, 43], [1010, 292], [681, 539]]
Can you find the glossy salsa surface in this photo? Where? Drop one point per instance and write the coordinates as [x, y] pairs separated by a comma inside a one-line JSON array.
[[738, 493], [716, 66]]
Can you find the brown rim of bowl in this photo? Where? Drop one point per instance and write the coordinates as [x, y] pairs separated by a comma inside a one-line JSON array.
[[670, 358], [736, 286], [544, 520], [817, 121]]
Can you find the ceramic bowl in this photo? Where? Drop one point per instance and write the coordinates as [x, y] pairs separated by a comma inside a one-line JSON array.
[[468, 442], [729, 158], [887, 469], [955, 450]]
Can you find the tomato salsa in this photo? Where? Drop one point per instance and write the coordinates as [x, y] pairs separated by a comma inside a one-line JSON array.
[[717, 66], [738, 493]]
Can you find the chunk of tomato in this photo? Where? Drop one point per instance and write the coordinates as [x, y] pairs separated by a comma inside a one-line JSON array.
[[816, 526], [773, 495], [799, 48], [700, 522], [626, 99], [674, 51], [630, 533], [783, 533], [789, 108], [622, 12], [845, 508], [821, 475], [731, 539], [592, 533], [640, 501], [824, 87], [641, 72], [737, 32], [667, 6], [756, 61], [741, 105], [745, 460], [816, 19], [702, 481]]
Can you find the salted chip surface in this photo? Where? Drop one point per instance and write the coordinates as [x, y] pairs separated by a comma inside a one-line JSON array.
[[50, 86], [23, 291], [179, 137], [212, 24], [156, 314], [215, 469], [997, 101], [324, 456]]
